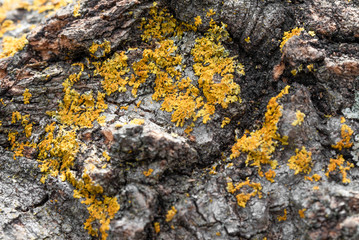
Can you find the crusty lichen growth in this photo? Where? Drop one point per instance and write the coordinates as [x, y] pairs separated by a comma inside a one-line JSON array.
[[157, 227], [77, 109], [346, 134], [27, 95], [270, 175], [244, 197], [339, 163], [171, 214], [101, 207], [261, 144], [287, 35], [299, 118], [315, 177], [11, 45], [284, 217], [100, 50], [301, 162]]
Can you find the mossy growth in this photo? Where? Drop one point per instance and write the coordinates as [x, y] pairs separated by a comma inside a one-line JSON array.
[[261, 144]]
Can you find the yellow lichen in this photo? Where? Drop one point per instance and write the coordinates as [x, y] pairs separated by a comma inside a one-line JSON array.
[[301, 162], [106, 156], [101, 207], [171, 214], [300, 118], [103, 49], [346, 133], [287, 35], [11, 45], [210, 12], [284, 217], [248, 40], [225, 121], [261, 144], [243, 198], [270, 175], [137, 121], [197, 21], [339, 162], [77, 9], [157, 227], [315, 177], [27, 95]]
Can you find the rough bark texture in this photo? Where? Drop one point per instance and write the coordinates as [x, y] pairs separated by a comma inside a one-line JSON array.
[[181, 162]]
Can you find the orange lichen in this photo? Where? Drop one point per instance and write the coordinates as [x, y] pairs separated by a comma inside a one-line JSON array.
[[301, 212], [284, 217], [339, 162], [170, 214], [301, 162], [243, 198], [270, 175], [287, 35], [27, 95], [315, 177], [300, 118], [261, 144], [346, 133], [148, 172]]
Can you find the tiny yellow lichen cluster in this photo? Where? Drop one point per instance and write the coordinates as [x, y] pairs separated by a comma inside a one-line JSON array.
[[301, 212], [346, 134], [157, 227], [27, 95], [171, 214], [315, 177], [301, 162], [148, 172], [270, 175], [77, 9], [287, 35], [243, 198], [261, 144], [103, 48], [284, 217], [300, 118], [339, 163], [18, 147]]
